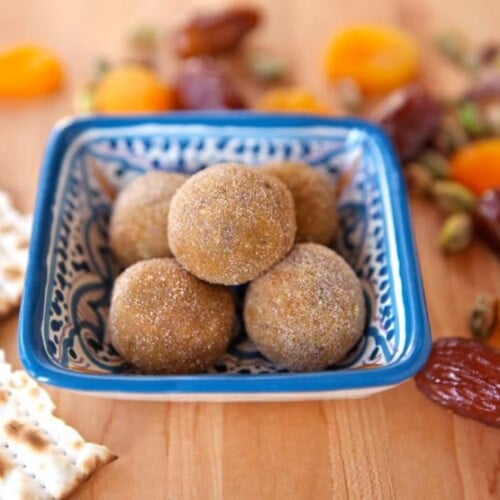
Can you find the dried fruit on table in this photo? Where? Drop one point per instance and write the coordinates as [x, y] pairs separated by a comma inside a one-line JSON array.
[[28, 71], [436, 162], [471, 119], [348, 94], [292, 100], [453, 197], [131, 88], [453, 46], [201, 84], [456, 233], [83, 101], [490, 53], [265, 66], [379, 59], [487, 218], [143, 37], [449, 136], [420, 179], [464, 376], [483, 317], [477, 165], [410, 116], [485, 87], [214, 33]]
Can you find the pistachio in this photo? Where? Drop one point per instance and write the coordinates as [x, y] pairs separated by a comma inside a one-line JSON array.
[[83, 101], [436, 162], [471, 119], [265, 66], [456, 233], [453, 197], [483, 317], [99, 68], [452, 45], [420, 178], [349, 94], [450, 136], [143, 37]]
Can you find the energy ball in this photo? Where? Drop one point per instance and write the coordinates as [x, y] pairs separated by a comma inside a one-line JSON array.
[[164, 320], [315, 199], [308, 311], [230, 223], [138, 226]]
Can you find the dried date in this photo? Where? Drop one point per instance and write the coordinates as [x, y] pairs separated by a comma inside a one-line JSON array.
[[464, 376], [410, 116], [487, 218], [201, 84], [215, 33]]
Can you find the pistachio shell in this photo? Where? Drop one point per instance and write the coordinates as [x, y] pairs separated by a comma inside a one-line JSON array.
[[453, 197], [456, 233], [436, 162]]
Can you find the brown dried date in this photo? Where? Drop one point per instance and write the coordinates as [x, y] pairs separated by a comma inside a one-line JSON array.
[[487, 218], [214, 33], [410, 116], [201, 84], [464, 376]]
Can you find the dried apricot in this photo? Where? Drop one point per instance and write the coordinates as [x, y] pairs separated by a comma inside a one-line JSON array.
[[477, 166], [131, 88], [292, 100], [378, 58], [28, 71]]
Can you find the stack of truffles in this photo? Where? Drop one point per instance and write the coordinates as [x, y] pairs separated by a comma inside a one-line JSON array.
[[185, 241]]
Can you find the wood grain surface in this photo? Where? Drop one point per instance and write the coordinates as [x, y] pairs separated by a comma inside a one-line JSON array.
[[393, 445]]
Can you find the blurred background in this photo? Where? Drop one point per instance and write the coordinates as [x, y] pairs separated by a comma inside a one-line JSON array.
[[80, 32]]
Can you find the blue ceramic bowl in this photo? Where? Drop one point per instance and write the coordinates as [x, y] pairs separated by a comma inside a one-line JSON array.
[[62, 337]]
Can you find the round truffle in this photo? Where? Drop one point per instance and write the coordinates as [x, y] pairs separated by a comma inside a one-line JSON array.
[[164, 320], [138, 226], [308, 311], [230, 223], [315, 198]]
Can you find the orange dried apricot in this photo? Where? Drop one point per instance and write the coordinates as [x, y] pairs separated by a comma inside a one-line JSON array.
[[379, 59], [28, 71], [131, 88], [291, 100], [477, 165]]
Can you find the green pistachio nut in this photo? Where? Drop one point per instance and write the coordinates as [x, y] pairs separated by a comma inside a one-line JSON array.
[[453, 197], [436, 162], [456, 233], [420, 178]]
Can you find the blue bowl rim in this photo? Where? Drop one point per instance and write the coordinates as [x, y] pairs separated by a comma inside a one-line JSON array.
[[39, 365]]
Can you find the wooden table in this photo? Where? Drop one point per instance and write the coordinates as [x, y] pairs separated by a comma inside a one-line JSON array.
[[393, 445]]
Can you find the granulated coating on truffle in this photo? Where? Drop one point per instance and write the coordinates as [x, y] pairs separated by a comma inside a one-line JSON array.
[[164, 320], [315, 199], [138, 226], [308, 311], [230, 223]]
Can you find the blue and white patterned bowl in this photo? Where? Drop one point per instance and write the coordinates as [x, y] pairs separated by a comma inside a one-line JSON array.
[[62, 338]]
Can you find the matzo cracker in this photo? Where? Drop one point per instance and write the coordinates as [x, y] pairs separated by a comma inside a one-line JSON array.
[[14, 239], [40, 456]]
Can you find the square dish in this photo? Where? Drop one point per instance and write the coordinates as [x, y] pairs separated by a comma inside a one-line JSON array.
[[62, 333]]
